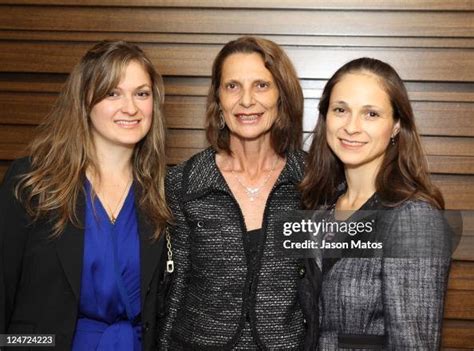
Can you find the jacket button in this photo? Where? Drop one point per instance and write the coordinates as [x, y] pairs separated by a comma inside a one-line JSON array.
[[301, 272], [146, 327], [148, 289], [200, 224]]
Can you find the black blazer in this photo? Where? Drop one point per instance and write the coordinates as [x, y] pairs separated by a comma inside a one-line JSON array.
[[40, 277]]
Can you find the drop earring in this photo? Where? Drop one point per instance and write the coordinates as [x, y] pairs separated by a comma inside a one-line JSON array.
[[221, 120]]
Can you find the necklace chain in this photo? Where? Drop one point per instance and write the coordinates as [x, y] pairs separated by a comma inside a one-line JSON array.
[[112, 216], [253, 192]]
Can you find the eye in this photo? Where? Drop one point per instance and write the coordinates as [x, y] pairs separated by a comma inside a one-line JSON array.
[[113, 93], [263, 85], [372, 114], [143, 94], [231, 86], [339, 110]]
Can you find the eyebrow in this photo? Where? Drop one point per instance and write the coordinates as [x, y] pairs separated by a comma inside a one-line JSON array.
[[146, 85], [339, 102], [372, 106]]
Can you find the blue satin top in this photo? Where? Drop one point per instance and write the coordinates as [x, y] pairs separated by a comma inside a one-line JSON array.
[[109, 307]]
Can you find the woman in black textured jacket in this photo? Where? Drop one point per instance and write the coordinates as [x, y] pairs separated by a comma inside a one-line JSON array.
[[232, 290]]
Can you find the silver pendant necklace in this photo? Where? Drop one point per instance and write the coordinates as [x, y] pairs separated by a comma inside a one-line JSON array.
[[253, 192]]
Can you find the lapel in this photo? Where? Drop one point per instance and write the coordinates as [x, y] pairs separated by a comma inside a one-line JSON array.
[[151, 251], [70, 249]]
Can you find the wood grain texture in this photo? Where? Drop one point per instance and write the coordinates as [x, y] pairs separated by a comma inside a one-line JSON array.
[[221, 39], [216, 20], [432, 5], [193, 60], [429, 42], [459, 305], [461, 276], [458, 334]]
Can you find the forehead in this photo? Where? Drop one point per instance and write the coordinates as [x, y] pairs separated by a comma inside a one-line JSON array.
[[361, 87], [134, 73], [245, 66]]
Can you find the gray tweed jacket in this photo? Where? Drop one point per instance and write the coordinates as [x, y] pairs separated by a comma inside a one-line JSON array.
[[395, 301], [216, 302]]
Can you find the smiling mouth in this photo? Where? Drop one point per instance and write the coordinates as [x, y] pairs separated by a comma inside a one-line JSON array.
[[248, 117], [124, 122], [352, 142]]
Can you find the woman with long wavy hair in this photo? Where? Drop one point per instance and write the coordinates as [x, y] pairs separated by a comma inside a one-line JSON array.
[[366, 155], [82, 217]]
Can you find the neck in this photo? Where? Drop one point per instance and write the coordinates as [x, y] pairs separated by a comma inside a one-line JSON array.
[[251, 157], [114, 164], [360, 184]]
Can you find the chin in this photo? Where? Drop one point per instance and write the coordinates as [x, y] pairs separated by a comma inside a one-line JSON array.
[[250, 135]]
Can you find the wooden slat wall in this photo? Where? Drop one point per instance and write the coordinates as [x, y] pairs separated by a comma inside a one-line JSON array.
[[430, 43]]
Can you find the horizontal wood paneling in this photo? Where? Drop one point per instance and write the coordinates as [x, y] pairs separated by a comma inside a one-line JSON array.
[[461, 276], [194, 60], [458, 191], [429, 42], [457, 333], [459, 305], [432, 5], [288, 40], [216, 20]]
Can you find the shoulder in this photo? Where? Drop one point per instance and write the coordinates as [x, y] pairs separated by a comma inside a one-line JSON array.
[[198, 161], [417, 229], [296, 161], [198, 167], [423, 211], [18, 167]]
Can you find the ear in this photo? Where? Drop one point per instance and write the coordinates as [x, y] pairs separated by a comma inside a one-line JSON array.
[[395, 129]]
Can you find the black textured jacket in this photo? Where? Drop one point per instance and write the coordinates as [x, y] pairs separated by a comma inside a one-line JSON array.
[[216, 302]]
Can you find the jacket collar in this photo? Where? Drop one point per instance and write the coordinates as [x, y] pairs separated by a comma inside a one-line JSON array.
[[201, 174]]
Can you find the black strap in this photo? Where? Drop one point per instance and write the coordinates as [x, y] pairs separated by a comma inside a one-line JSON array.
[[361, 341]]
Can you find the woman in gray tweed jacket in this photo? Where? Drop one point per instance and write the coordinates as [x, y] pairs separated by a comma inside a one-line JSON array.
[[366, 139], [231, 289]]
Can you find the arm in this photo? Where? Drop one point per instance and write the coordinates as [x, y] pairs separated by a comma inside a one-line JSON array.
[[414, 276], [13, 234], [179, 233]]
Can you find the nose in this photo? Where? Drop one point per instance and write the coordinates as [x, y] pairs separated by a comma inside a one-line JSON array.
[[352, 125], [129, 107], [246, 100]]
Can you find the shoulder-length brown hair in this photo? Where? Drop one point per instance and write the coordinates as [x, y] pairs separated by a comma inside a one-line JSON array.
[[63, 148], [403, 174], [287, 131]]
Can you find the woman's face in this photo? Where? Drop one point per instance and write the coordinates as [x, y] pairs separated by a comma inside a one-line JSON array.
[[248, 96], [124, 117], [360, 121]]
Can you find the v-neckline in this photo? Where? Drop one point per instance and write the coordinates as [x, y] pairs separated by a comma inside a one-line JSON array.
[[101, 206]]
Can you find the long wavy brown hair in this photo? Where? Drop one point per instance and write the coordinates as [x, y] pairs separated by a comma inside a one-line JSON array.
[[287, 131], [403, 174], [63, 148]]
